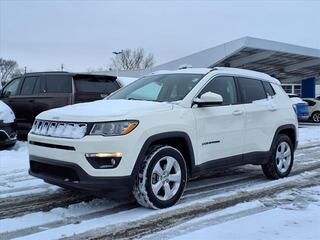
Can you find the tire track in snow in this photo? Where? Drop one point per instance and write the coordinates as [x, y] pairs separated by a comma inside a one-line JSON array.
[[13, 207], [200, 189], [169, 219], [200, 192]]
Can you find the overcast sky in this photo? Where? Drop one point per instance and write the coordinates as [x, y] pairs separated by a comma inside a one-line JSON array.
[[83, 34]]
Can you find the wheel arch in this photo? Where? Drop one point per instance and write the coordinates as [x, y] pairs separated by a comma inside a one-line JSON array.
[[289, 130], [179, 140]]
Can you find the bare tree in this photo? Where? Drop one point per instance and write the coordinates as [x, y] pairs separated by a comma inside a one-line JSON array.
[[8, 70], [132, 59]]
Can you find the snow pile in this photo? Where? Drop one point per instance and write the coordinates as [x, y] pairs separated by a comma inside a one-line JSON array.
[[6, 114], [124, 81]]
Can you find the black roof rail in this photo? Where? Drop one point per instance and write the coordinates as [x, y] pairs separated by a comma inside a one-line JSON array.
[[46, 72]]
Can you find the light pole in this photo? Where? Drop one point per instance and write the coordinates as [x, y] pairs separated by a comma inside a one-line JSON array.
[[117, 53]]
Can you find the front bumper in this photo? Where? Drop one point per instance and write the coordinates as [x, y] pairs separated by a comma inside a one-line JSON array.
[[8, 135], [70, 175], [74, 151]]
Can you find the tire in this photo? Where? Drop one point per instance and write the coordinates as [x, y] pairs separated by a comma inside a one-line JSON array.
[[281, 160], [7, 146], [161, 179], [315, 117]]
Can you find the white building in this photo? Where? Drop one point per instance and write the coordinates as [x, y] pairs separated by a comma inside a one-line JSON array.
[[297, 67]]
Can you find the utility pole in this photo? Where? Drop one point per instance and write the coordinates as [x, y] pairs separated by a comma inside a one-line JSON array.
[[117, 53], [62, 67], [25, 69]]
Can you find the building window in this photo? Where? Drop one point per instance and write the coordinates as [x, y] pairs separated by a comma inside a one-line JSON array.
[[292, 88]]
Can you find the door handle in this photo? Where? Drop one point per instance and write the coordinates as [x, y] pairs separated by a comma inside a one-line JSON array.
[[31, 100], [237, 112]]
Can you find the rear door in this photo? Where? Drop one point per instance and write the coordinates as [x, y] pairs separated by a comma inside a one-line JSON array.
[[92, 87], [260, 117]]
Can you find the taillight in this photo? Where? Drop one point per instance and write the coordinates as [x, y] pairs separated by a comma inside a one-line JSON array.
[[294, 108]]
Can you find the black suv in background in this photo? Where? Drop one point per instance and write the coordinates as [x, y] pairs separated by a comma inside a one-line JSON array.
[[34, 93]]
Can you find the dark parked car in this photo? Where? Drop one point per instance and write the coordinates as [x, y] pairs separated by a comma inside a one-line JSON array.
[[34, 93]]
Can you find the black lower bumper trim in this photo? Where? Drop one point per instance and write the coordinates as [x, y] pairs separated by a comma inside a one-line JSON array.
[[71, 175], [7, 134]]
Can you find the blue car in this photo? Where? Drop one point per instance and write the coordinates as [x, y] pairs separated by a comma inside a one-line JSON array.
[[302, 111], [301, 107]]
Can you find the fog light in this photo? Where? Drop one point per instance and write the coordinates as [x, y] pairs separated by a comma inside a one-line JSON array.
[[104, 155], [104, 160]]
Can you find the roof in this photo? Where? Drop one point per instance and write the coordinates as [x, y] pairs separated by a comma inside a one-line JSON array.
[[185, 70], [287, 62], [70, 73], [247, 73], [223, 70]]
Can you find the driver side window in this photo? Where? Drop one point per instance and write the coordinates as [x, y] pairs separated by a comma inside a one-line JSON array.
[[12, 88], [224, 86]]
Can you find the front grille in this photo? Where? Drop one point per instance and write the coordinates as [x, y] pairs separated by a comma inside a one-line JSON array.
[[49, 145], [59, 129]]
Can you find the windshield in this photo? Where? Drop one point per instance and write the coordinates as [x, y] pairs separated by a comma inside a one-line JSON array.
[[159, 88]]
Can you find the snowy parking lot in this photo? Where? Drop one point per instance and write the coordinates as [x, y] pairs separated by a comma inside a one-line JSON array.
[[240, 199]]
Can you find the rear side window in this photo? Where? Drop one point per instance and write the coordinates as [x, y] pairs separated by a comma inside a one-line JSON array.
[[58, 84], [28, 85], [251, 89], [269, 89], [95, 85]]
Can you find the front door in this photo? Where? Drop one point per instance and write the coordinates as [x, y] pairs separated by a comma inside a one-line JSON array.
[[10, 93], [220, 128], [24, 104]]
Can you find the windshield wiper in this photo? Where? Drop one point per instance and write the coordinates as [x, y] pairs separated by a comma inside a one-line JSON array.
[[137, 99]]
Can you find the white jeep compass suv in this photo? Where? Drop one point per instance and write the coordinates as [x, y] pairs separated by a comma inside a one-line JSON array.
[[153, 135]]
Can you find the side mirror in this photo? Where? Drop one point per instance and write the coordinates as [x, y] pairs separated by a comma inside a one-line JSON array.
[[208, 99], [4, 94]]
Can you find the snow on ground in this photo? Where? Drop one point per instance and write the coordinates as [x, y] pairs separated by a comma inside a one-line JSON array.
[[309, 134], [293, 215], [14, 159]]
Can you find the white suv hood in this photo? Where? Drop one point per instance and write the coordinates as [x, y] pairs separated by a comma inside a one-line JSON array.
[[6, 114], [103, 110]]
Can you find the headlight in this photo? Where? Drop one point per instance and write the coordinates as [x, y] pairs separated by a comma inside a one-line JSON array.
[[113, 128]]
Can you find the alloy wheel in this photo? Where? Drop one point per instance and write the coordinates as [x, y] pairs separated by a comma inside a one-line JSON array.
[[316, 117], [166, 178], [283, 157]]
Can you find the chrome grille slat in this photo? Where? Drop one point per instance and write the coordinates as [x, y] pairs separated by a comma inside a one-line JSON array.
[[59, 129]]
